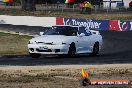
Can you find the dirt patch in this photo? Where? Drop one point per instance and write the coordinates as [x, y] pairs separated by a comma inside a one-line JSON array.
[[61, 76]]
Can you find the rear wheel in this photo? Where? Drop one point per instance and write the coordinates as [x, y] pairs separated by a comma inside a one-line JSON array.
[[95, 49], [72, 50], [34, 55]]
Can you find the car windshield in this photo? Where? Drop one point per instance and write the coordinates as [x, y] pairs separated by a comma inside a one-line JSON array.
[[62, 30]]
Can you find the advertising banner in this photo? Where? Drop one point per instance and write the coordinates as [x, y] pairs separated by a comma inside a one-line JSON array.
[[91, 24], [119, 25], [116, 25]]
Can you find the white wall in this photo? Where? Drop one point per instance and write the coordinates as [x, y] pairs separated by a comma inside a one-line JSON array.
[[28, 20], [126, 3]]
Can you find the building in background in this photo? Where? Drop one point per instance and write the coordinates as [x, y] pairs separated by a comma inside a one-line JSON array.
[[116, 3], [103, 3]]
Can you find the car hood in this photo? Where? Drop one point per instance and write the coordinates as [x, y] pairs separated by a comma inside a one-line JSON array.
[[53, 39]]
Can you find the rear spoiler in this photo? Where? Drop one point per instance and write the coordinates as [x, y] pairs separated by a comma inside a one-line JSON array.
[[95, 32]]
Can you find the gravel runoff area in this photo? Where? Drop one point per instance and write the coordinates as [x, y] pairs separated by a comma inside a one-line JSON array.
[[61, 76]]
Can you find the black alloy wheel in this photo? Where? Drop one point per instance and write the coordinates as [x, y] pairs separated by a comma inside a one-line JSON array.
[[72, 50]]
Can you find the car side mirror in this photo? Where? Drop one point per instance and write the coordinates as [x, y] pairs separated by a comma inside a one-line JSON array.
[[41, 33], [81, 35]]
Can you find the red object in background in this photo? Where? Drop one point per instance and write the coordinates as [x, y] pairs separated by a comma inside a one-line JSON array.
[[59, 21], [71, 1], [10, 0], [130, 4], [113, 25]]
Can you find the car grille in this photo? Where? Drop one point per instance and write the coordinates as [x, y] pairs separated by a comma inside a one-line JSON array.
[[45, 43], [48, 50]]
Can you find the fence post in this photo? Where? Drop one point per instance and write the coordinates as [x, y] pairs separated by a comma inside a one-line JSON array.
[[73, 8], [107, 8], [62, 8], [95, 8]]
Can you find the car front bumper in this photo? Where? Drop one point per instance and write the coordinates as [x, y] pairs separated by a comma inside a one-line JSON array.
[[48, 49]]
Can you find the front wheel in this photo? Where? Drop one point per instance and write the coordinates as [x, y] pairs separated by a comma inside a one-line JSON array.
[[34, 55], [72, 50], [95, 49]]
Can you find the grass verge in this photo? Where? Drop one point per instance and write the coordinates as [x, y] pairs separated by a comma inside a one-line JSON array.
[[100, 16], [13, 44]]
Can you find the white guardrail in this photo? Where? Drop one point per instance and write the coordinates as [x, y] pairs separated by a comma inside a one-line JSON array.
[[117, 25], [28, 20]]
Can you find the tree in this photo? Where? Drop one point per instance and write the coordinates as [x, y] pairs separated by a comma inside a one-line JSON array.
[[28, 5]]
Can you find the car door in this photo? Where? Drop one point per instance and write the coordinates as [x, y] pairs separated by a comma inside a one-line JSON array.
[[83, 48], [88, 40], [73, 32]]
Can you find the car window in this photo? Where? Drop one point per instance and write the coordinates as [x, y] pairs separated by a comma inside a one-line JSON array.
[[64, 30], [84, 30], [73, 31]]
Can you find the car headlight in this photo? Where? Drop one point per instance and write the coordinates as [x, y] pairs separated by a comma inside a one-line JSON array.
[[30, 42]]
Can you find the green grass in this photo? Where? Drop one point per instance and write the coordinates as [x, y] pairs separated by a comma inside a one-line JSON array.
[[13, 44]]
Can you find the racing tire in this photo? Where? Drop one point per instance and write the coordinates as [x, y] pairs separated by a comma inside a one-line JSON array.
[[35, 55], [95, 49], [72, 50]]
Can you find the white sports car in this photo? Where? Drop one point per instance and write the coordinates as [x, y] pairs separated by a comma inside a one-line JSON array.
[[65, 40]]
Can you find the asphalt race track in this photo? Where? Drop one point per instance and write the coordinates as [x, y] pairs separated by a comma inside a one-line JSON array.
[[117, 49]]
